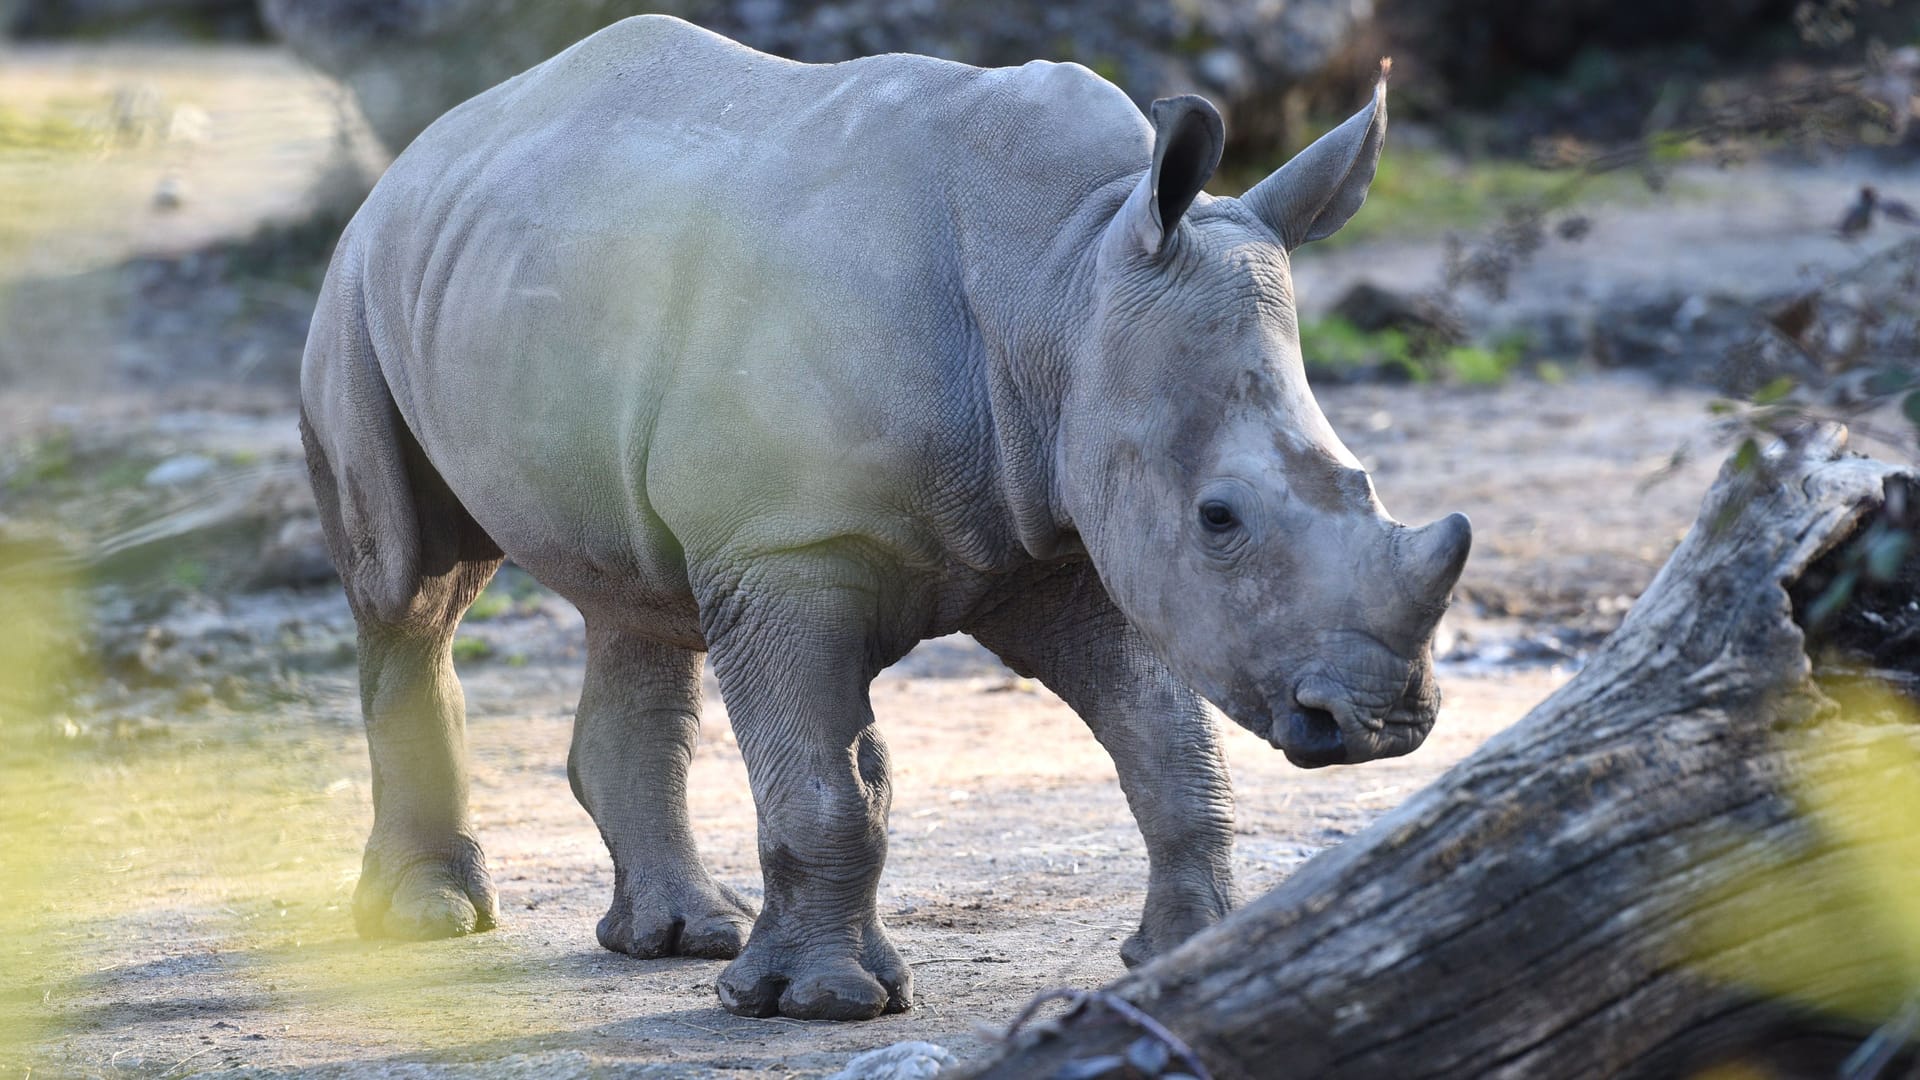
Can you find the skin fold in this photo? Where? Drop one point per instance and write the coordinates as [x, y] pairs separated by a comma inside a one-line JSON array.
[[799, 365]]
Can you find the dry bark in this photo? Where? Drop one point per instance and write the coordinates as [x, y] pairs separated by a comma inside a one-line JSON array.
[[1622, 883]]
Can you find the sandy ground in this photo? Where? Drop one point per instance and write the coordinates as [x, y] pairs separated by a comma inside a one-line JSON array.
[[173, 899], [1014, 867]]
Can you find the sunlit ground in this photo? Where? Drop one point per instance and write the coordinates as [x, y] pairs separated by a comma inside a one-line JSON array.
[[235, 839], [177, 148]]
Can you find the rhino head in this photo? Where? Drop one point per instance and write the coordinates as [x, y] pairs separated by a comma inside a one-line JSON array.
[[1225, 517]]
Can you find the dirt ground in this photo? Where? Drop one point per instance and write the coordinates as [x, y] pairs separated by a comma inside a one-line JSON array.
[[216, 858], [177, 882]]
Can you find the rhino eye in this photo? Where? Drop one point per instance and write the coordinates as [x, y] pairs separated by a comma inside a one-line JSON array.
[[1216, 516]]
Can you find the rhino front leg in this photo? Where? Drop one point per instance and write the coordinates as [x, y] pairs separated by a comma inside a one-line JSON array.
[[1067, 633], [633, 740], [795, 671]]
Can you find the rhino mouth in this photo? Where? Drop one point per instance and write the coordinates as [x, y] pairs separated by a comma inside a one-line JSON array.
[[1309, 737]]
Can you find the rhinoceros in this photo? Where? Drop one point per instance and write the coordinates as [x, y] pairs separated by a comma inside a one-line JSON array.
[[796, 366]]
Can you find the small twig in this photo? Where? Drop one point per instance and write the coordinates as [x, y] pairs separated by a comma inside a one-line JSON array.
[[1875, 1054], [1126, 1010], [697, 1027], [1094, 926], [206, 1049]]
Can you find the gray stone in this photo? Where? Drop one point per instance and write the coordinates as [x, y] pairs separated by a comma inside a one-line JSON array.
[[182, 469], [902, 1061]]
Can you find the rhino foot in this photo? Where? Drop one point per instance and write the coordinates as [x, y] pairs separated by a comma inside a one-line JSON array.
[[419, 897], [777, 975], [1139, 948], [706, 920], [1169, 921]]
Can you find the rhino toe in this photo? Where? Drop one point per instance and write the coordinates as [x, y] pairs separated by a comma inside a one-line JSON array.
[[428, 898], [707, 921], [776, 977]]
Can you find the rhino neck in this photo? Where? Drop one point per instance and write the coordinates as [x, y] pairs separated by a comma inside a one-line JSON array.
[[1030, 295]]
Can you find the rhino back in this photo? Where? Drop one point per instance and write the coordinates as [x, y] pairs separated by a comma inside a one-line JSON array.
[[666, 298]]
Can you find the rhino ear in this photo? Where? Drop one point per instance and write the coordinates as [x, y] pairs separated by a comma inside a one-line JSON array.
[[1187, 139], [1310, 197]]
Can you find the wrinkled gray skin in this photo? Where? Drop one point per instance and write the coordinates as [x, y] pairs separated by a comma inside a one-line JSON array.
[[799, 366]]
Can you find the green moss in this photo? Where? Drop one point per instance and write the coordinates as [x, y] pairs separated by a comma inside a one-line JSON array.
[[470, 649]]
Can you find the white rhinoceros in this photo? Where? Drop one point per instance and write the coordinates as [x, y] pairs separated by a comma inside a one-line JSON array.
[[799, 365]]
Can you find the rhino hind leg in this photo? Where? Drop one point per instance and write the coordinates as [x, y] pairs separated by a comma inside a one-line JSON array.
[[423, 874], [633, 740], [1065, 631]]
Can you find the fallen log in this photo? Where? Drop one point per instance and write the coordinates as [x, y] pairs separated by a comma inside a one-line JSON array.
[[1695, 855]]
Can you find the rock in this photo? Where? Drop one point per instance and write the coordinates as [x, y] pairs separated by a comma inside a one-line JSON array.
[[1424, 320], [225, 19], [169, 194], [181, 469], [1478, 46], [409, 61], [293, 555], [901, 1061]]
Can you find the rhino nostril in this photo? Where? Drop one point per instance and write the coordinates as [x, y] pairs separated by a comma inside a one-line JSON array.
[[1343, 711]]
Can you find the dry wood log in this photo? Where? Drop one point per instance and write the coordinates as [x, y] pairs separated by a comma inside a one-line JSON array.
[[1628, 881]]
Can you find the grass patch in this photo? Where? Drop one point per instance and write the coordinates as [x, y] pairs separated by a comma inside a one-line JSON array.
[[45, 461], [1474, 365], [490, 605], [1427, 192], [45, 133], [512, 591], [187, 572], [1335, 348]]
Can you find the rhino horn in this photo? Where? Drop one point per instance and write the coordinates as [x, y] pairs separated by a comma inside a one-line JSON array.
[[1433, 555]]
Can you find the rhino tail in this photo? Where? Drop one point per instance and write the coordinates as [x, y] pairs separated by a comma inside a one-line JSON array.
[[357, 451]]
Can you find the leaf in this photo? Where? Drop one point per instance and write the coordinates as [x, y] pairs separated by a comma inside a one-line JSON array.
[[1747, 457], [1911, 407], [1889, 381], [1776, 390]]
